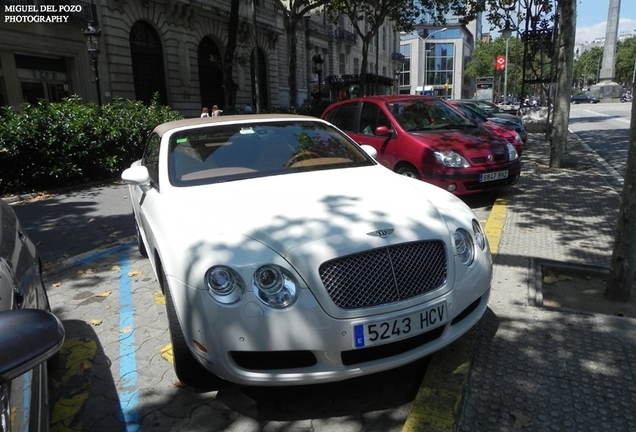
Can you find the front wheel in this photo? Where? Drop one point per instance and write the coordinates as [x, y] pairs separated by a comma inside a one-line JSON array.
[[408, 172], [140, 242], [189, 371]]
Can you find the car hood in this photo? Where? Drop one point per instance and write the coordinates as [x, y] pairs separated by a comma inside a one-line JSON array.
[[332, 209], [468, 140]]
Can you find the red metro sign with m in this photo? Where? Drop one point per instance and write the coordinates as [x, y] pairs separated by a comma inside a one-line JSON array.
[[501, 63]]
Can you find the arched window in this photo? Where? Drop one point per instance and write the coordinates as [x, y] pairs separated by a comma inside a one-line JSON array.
[[210, 74], [147, 61], [263, 88]]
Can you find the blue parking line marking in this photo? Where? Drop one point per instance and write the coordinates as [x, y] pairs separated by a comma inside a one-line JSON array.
[[129, 398]]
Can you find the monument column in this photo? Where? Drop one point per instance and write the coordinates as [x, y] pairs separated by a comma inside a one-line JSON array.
[[607, 89]]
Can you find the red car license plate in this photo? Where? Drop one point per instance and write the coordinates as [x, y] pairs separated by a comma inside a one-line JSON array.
[[381, 332], [498, 175]]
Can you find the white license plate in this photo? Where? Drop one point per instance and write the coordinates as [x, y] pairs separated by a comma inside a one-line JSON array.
[[498, 175], [381, 332]]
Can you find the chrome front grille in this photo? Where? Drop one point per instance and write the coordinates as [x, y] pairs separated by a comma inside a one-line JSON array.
[[385, 275]]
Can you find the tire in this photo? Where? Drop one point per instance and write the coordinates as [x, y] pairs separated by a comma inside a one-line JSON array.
[[408, 172], [140, 242], [189, 371]]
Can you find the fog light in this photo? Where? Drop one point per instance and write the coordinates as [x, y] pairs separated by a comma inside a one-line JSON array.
[[451, 187]]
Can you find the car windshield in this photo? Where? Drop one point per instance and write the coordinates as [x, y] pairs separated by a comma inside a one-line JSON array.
[[431, 114], [219, 153]]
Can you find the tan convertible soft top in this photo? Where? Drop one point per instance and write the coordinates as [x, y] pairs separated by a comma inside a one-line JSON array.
[[164, 127]]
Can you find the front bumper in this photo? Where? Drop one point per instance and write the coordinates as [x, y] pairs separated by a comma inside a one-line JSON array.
[[248, 343]]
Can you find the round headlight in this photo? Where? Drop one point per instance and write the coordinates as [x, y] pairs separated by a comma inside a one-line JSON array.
[[223, 284], [480, 238], [464, 246], [274, 286], [269, 279]]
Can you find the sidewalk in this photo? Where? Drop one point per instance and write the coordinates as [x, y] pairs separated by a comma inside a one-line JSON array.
[[539, 369]]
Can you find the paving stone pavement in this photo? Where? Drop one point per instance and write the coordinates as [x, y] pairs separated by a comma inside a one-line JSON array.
[[121, 381], [536, 369]]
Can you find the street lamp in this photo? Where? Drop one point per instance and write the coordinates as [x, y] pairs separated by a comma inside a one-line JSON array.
[[425, 39], [92, 42], [506, 32], [317, 60]]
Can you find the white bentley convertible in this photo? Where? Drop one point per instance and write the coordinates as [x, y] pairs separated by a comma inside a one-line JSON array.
[[287, 255]]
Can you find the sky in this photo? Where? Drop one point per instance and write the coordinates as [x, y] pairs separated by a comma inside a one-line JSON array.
[[591, 19]]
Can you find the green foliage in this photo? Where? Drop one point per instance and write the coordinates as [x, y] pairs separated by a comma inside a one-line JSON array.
[[588, 66], [53, 145]]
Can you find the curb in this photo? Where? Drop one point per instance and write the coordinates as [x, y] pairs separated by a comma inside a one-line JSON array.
[[441, 395]]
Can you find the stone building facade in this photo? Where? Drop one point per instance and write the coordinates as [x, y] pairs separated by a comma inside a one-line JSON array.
[[175, 48]]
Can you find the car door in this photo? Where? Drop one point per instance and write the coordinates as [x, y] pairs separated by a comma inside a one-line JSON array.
[[22, 399], [144, 197], [360, 121]]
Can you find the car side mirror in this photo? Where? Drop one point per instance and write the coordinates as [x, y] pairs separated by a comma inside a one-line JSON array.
[[383, 131], [370, 150], [28, 337], [136, 175]]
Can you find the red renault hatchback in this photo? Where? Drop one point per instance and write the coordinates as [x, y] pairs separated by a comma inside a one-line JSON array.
[[425, 138]]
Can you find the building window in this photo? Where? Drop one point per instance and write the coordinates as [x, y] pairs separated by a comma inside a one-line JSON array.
[[210, 74], [356, 65], [3, 93], [439, 64], [146, 53], [342, 64]]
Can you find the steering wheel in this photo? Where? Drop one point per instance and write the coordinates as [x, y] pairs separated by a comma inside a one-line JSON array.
[[302, 155]]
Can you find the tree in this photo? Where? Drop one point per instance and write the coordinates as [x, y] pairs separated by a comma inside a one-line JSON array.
[[587, 67], [625, 61], [623, 263], [565, 67], [367, 16], [293, 12]]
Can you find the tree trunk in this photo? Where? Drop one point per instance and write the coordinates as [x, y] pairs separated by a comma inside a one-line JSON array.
[[362, 87], [623, 262], [228, 59], [292, 57], [565, 59]]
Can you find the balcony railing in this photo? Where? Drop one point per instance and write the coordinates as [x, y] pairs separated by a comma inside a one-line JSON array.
[[346, 36]]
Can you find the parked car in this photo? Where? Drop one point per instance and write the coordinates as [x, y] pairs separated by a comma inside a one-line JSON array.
[[287, 255], [425, 138], [578, 99], [493, 110], [29, 333], [510, 124], [507, 131]]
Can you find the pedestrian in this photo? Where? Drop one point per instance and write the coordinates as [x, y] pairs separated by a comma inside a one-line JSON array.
[[247, 109], [216, 111], [204, 112]]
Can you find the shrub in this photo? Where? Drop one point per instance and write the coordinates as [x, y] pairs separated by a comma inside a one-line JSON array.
[[59, 144]]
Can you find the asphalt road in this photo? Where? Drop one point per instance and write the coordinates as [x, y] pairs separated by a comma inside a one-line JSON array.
[[605, 128]]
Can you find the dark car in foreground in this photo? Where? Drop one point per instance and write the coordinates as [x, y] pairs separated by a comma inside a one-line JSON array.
[[29, 333], [473, 110], [579, 99], [425, 138]]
